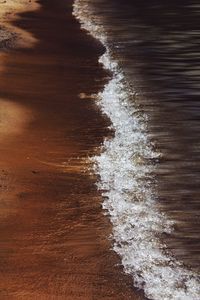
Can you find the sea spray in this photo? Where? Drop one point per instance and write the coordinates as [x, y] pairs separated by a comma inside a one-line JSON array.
[[126, 166]]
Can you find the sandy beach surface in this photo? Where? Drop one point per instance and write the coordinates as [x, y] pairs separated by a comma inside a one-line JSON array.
[[11, 35], [54, 235]]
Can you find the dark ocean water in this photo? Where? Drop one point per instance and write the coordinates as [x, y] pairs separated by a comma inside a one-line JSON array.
[[157, 45]]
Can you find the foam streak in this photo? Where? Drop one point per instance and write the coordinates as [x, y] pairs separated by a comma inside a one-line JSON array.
[[125, 167]]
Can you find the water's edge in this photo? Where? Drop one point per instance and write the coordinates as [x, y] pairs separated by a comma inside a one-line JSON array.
[[125, 167]]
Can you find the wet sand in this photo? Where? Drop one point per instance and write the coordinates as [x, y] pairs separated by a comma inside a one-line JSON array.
[[54, 235]]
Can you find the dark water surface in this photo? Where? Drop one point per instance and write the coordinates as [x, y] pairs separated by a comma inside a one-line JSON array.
[[157, 44]]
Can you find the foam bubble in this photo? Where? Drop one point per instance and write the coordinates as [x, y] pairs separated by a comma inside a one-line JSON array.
[[125, 166]]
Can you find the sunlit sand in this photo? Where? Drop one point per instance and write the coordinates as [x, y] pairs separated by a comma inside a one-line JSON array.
[[13, 119], [8, 11]]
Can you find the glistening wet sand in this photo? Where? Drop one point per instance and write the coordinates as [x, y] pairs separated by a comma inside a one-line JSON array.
[[53, 232]]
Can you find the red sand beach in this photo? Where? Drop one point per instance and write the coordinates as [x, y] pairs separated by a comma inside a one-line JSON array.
[[54, 235]]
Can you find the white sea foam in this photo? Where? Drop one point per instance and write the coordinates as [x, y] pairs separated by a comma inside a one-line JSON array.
[[125, 167]]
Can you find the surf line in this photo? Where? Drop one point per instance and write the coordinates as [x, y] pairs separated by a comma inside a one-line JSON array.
[[125, 166]]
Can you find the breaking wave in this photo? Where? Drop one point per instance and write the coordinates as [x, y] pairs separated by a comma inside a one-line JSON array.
[[126, 166]]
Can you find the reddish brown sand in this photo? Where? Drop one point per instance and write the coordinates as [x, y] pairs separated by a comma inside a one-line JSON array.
[[54, 236], [8, 12]]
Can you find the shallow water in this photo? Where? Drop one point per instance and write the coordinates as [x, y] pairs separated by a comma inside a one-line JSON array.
[[150, 170]]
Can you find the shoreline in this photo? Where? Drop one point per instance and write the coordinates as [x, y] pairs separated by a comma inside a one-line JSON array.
[[54, 233], [124, 213]]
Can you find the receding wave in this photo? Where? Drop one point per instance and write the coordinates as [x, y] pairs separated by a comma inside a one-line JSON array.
[[126, 166]]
